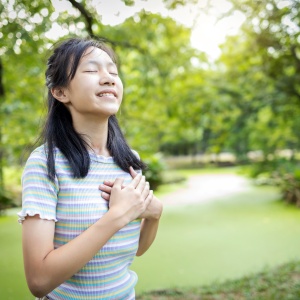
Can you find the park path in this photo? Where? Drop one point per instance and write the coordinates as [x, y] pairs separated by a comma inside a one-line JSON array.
[[208, 187]]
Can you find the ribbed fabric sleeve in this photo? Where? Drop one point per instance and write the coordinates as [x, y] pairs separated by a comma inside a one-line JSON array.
[[76, 204], [39, 194]]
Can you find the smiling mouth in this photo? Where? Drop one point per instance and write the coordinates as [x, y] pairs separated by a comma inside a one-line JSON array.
[[110, 95]]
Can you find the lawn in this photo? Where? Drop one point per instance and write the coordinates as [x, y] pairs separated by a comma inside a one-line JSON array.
[[225, 239], [196, 244], [280, 283], [12, 280]]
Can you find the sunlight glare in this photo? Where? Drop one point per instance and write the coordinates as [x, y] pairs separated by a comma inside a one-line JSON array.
[[207, 33]]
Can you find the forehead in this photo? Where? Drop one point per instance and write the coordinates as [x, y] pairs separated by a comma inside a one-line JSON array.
[[94, 54]]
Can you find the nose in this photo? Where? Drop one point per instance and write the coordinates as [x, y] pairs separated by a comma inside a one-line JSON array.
[[106, 78]]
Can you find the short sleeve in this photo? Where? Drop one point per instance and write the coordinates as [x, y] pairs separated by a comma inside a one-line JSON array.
[[39, 193]]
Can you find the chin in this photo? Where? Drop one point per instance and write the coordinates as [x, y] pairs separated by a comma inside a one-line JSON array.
[[110, 113], [109, 110]]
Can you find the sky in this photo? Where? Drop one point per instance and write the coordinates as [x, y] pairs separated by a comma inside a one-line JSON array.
[[207, 32]]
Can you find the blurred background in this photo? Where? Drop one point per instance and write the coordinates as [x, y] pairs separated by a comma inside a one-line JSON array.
[[212, 105]]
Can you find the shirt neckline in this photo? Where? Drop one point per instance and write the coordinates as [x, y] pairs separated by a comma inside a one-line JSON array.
[[101, 158]]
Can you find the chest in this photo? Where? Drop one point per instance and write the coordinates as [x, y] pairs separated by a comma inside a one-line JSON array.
[[80, 204]]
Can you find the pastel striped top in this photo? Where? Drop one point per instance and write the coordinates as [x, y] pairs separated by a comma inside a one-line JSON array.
[[76, 204]]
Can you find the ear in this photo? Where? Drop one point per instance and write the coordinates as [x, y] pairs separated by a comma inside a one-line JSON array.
[[60, 94]]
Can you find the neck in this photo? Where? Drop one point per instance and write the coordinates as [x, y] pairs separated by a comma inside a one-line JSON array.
[[95, 133]]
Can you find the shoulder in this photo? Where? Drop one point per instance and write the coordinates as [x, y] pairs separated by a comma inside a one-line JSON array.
[[41, 153], [37, 160], [37, 155], [36, 170]]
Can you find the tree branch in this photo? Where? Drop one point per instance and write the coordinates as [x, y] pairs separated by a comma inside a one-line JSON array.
[[87, 16], [89, 22]]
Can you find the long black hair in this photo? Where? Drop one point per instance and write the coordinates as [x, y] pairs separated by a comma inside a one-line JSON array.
[[59, 131]]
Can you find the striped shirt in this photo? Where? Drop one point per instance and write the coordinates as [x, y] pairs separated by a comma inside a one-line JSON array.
[[75, 204]]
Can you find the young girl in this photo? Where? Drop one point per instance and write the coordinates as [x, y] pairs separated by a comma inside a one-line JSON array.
[[86, 213]]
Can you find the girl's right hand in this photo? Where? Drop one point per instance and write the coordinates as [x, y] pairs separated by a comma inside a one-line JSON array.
[[132, 200]]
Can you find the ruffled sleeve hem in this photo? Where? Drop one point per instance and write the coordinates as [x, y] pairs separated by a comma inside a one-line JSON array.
[[23, 214]]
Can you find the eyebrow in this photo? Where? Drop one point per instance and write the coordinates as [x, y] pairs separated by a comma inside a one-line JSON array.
[[95, 62]]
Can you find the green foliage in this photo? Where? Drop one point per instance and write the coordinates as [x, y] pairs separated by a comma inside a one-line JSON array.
[[290, 186], [284, 173], [176, 100], [129, 2], [273, 284], [261, 78], [5, 202], [154, 172]]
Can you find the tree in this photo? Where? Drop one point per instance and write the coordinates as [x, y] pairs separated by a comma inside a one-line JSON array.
[[26, 37], [260, 72]]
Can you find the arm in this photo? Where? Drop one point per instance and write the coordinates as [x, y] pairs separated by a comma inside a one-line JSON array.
[[46, 267], [149, 225]]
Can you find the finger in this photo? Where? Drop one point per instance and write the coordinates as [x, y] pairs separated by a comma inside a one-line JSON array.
[[105, 196], [119, 183], [133, 173], [146, 190], [135, 181], [140, 187], [149, 198], [105, 188], [111, 183], [108, 182]]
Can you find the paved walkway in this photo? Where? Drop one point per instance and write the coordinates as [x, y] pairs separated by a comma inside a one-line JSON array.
[[202, 188]]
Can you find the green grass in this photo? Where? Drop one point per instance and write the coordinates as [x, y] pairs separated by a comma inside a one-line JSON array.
[[281, 283], [12, 279], [226, 239]]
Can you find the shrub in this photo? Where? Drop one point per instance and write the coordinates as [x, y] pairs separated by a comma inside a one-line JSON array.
[[154, 172], [282, 173], [5, 202], [289, 184]]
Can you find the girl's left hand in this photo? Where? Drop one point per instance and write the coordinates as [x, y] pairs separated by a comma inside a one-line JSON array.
[[154, 209]]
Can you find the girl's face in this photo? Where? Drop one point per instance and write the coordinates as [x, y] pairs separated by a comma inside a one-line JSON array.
[[96, 89]]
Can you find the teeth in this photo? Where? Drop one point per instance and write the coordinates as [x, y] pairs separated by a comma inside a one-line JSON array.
[[106, 95]]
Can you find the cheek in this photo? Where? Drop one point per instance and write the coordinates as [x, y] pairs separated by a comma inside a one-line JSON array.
[[120, 89]]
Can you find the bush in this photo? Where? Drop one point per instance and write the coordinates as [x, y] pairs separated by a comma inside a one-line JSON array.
[[5, 202], [282, 173], [289, 184], [154, 172]]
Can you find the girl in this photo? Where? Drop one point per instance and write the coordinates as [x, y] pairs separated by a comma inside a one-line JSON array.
[[86, 213]]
